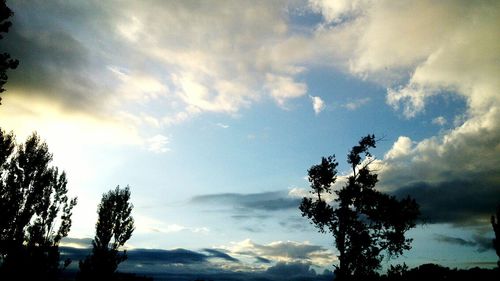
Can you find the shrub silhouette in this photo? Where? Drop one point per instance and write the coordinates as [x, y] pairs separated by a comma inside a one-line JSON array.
[[365, 222], [114, 223], [36, 211]]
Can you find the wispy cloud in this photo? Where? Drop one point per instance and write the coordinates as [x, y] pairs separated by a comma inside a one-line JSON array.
[[440, 120], [145, 224], [158, 144], [480, 242], [223, 126], [265, 201], [355, 104]]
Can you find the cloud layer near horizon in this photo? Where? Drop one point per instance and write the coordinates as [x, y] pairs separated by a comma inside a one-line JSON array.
[[245, 257]]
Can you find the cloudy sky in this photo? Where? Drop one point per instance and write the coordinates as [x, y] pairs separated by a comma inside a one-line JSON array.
[[213, 111]]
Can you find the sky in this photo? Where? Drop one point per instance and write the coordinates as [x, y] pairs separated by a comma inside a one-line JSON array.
[[212, 112]]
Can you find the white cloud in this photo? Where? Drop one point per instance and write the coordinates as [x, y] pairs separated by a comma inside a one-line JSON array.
[[332, 11], [283, 88], [223, 69], [172, 228], [419, 51], [318, 104], [440, 120], [298, 192], [158, 144], [282, 251], [469, 152], [401, 148], [138, 87], [412, 98], [451, 48], [187, 60]]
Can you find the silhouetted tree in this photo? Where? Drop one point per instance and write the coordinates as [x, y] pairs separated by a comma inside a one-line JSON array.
[[36, 211], [365, 222], [6, 62], [114, 227], [496, 228], [396, 272]]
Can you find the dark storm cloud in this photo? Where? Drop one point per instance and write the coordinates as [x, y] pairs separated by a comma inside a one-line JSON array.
[[264, 201], [262, 260], [454, 240], [52, 64], [291, 269], [481, 243], [51, 41], [459, 201], [178, 256], [219, 254], [157, 256], [279, 272], [251, 209]]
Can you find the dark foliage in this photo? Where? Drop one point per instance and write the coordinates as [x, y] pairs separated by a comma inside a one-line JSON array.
[[6, 62], [366, 222], [495, 223], [439, 273], [114, 227], [36, 211]]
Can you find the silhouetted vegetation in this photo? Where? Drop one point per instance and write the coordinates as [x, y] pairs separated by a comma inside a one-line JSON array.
[[114, 227], [36, 211], [495, 223], [439, 273], [6, 62], [366, 221]]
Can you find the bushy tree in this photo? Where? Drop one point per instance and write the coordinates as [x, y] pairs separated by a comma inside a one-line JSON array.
[[364, 222], [6, 62], [36, 211], [114, 227]]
